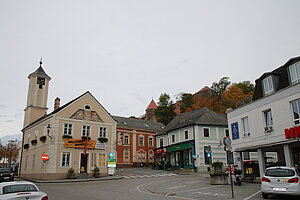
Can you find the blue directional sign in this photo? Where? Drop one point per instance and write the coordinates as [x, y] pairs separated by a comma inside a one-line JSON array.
[[235, 131]]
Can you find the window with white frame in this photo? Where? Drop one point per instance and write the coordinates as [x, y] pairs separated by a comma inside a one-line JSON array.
[[150, 141], [126, 139], [102, 132], [141, 140], [28, 138], [268, 85], [296, 111], [45, 130], [161, 142], [268, 118], [120, 138], [295, 72], [186, 134], [86, 130], [68, 129], [33, 161], [173, 139], [65, 159], [206, 132], [245, 125], [36, 133]]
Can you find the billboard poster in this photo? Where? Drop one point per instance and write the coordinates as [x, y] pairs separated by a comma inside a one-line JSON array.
[[235, 131]]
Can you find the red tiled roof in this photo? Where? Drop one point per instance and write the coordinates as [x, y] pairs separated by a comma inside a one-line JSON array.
[[152, 105], [203, 89]]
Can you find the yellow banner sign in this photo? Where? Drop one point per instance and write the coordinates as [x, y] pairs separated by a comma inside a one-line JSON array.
[[79, 143]]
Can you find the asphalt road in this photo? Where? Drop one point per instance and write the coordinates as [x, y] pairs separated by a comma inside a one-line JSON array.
[[148, 184]]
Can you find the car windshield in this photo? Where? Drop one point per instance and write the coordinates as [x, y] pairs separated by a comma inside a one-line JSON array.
[[19, 188], [280, 172], [5, 170]]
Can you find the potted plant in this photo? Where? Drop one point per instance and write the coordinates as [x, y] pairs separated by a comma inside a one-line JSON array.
[[102, 139], [71, 174], [34, 142], [96, 172], [26, 146], [43, 139], [67, 136]]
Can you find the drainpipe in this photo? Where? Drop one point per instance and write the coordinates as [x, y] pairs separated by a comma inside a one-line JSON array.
[[195, 167]]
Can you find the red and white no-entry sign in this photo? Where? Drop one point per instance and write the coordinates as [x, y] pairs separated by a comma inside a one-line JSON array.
[[45, 157]]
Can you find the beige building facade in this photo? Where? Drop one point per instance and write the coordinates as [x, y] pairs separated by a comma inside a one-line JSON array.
[[79, 135]]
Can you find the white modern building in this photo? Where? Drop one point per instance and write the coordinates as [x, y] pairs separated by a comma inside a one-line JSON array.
[[269, 125], [193, 140]]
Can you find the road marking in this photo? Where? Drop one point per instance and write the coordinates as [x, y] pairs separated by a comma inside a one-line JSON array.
[[211, 194], [192, 182], [252, 195], [176, 187], [201, 188]]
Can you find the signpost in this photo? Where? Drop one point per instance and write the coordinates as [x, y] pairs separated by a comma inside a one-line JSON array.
[[112, 164], [45, 157]]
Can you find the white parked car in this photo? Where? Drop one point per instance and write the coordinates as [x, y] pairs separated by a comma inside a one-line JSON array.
[[280, 180], [21, 190]]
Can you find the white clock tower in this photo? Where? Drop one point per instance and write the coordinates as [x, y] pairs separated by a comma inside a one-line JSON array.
[[37, 96]]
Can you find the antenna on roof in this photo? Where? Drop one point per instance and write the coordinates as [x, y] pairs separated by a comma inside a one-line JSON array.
[[41, 62]]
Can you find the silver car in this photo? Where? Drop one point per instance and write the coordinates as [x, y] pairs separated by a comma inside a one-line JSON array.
[[21, 190], [280, 180]]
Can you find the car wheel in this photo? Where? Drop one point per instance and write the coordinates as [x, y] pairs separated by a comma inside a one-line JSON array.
[[264, 195]]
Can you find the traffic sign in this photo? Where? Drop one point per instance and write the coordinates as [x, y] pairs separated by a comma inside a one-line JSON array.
[[227, 141], [45, 157]]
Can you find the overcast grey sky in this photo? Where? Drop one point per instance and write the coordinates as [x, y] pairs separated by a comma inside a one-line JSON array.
[[127, 51]]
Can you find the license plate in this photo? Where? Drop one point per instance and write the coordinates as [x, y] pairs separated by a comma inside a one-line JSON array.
[[280, 189], [6, 177]]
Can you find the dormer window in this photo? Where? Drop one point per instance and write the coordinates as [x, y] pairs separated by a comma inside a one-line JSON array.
[[295, 73], [87, 107], [268, 85]]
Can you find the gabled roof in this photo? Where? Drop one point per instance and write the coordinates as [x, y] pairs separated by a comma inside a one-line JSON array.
[[203, 89], [202, 116], [63, 107], [152, 105], [124, 122]]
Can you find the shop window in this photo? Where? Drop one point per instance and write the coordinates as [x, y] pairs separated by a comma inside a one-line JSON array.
[[101, 162], [177, 158], [296, 111]]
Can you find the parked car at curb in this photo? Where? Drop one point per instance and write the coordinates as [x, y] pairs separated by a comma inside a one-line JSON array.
[[21, 190], [280, 180], [6, 174]]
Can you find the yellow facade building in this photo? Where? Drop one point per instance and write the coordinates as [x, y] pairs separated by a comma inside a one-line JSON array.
[[79, 135]]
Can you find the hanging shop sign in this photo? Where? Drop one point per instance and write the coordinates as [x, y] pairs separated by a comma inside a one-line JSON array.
[[291, 133], [79, 143], [160, 151]]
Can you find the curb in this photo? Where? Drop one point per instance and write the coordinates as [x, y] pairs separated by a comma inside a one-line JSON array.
[[73, 180]]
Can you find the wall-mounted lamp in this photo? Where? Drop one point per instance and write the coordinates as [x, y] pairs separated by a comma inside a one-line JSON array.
[[48, 131]]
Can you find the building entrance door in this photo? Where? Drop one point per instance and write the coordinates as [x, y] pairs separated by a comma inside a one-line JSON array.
[[84, 163]]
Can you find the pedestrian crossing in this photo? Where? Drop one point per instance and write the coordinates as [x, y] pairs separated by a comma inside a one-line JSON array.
[[150, 175]]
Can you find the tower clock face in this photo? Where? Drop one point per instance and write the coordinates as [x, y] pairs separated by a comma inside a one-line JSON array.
[[40, 82]]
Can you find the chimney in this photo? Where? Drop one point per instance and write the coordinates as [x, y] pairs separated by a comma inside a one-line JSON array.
[[56, 103]]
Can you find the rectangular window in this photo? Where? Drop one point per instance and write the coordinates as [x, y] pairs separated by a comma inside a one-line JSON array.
[[65, 161], [172, 138], [67, 129], [102, 132], [33, 161], [186, 134], [150, 141], [268, 118], [120, 138], [245, 125], [161, 142], [268, 85], [226, 132], [126, 139], [296, 111], [206, 132], [141, 140], [36, 133], [295, 72], [101, 160], [86, 130], [26, 162]]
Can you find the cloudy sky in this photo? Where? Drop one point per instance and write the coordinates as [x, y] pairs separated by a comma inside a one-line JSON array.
[[126, 52]]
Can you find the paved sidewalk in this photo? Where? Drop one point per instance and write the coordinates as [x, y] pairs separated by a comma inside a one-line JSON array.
[[104, 178]]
